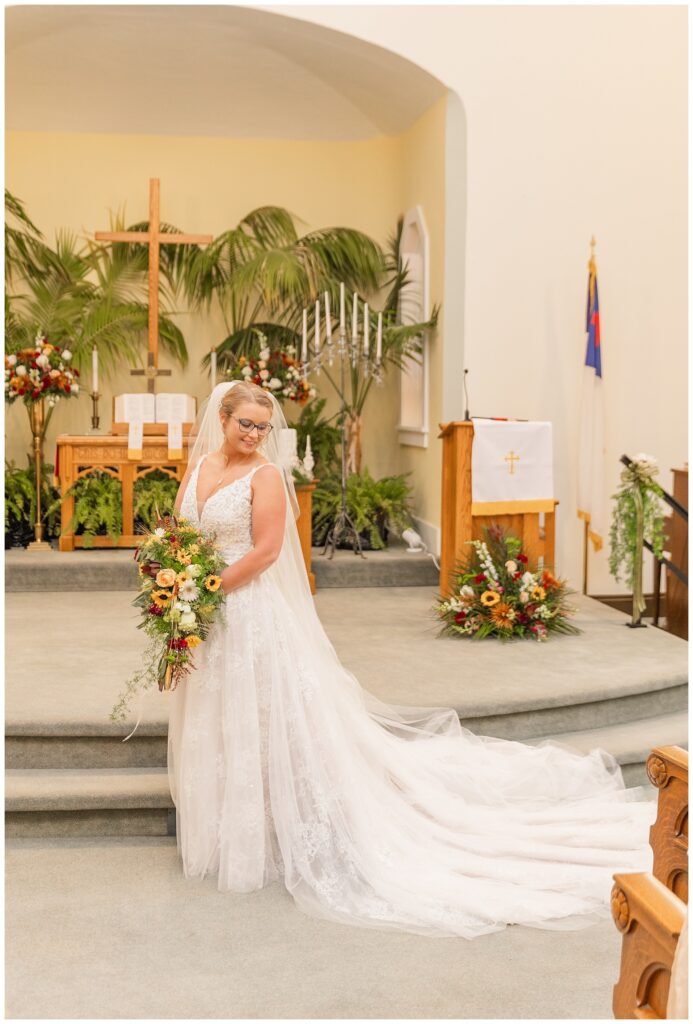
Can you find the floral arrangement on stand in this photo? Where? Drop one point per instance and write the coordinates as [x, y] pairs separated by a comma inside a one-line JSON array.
[[180, 596], [637, 515], [43, 371], [495, 593], [276, 370]]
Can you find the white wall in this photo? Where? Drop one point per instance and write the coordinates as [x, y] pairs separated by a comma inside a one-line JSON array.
[[576, 125]]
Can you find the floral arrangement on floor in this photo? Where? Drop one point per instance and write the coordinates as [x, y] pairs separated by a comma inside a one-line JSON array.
[[277, 371], [180, 595], [40, 372], [495, 593], [637, 515]]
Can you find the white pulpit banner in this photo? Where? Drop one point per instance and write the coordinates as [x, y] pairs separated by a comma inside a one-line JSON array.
[[135, 410], [175, 410], [512, 467], [135, 436]]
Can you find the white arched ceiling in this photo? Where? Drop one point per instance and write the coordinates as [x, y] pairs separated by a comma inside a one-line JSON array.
[[224, 70]]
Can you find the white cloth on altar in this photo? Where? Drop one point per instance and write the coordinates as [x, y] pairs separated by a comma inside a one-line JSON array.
[[175, 409], [135, 410], [511, 460]]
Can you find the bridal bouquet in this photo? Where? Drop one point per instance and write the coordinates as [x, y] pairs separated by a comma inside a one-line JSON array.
[[496, 594], [179, 597]]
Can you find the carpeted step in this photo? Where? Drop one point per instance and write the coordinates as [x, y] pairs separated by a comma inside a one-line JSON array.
[[82, 802], [106, 569], [630, 742]]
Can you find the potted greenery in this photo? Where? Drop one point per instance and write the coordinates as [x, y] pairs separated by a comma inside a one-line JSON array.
[[375, 507], [20, 504]]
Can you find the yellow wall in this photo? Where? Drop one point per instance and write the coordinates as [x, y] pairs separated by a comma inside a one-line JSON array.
[[207, 185]]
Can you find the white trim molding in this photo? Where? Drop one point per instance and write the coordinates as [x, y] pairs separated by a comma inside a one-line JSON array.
[[414, 307]]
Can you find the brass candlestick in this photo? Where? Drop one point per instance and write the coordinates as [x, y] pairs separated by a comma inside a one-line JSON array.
[[95, 396], [37, 416]]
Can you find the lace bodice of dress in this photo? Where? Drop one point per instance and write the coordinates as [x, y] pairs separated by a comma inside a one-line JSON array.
[[226, 514]]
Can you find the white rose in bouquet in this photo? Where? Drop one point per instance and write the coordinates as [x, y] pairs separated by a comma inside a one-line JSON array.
[[188, 621]]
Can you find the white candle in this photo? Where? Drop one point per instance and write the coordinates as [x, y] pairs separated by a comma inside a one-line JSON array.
[[379, 346], [304, 348], [365, 328], [317, 325], [342, 308], [355, 318], [328, 319], [94, 369], [213, 366]]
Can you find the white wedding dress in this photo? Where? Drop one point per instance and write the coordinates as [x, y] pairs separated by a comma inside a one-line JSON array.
[[282, 766]]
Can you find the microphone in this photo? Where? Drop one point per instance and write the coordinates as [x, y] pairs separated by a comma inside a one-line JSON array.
[[467, 417]]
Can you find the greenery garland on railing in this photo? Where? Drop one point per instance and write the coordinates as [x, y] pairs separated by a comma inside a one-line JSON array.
[[637, 515]]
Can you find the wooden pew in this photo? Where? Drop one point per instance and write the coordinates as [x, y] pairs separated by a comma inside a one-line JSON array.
[[667, 769], [650, 909], [650, 917]]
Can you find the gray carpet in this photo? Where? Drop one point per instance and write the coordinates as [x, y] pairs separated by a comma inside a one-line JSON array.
[[111, 929]]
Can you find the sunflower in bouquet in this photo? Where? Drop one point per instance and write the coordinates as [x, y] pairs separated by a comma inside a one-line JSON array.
[[496, 593], [179, 596]]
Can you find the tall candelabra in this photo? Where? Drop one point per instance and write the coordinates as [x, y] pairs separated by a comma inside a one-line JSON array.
[[343, 526]]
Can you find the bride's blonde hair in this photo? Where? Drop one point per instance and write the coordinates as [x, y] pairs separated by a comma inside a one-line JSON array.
[[244, 391]]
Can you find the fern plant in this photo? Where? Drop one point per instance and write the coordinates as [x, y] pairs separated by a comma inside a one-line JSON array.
[[375, 506], [98, 507], [20, 504], [154, 495]]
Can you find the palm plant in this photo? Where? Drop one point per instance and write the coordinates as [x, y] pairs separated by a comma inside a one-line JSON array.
[[83, 295], [263, 274]]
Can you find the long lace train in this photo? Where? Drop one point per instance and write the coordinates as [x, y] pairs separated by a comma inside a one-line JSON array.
[[283, 767]]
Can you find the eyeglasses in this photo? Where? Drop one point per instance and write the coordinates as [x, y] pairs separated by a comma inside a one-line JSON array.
[[247, 425]]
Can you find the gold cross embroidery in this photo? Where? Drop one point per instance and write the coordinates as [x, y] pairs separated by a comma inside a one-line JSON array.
[[512, 458]]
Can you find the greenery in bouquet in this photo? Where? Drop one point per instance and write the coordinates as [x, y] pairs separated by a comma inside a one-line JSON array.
[[496, 593], [276, 370], [179, 597], [42, 371]]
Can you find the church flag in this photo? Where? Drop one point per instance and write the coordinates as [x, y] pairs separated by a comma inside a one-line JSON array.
[[591, 497]]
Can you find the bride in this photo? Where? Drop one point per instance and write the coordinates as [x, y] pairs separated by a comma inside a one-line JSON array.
[[281, 766]]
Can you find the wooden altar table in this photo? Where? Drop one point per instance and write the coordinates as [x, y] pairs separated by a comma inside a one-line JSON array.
[[78, 456]]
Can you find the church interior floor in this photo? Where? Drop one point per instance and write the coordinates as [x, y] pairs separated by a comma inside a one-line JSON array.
[[102, 923], [110, 928]]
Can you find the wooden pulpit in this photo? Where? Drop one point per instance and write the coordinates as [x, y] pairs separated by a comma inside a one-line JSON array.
[[463, 520]]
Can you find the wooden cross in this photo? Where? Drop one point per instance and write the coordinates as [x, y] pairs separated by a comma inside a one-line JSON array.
[[512, 458], [153, 238]]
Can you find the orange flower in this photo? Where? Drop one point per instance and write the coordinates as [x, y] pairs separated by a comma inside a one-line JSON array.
[[193, 641], [503, 615], [213, 583], [549, 580]]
